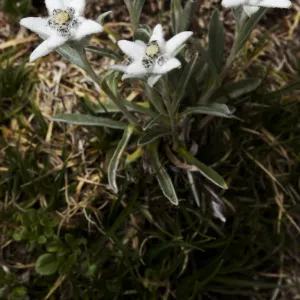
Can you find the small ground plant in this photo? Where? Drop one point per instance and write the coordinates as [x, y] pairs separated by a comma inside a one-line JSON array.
[[177, 142], [161, 125]]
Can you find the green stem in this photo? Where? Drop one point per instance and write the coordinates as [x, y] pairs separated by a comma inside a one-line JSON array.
[[168, 103], [90, 71]]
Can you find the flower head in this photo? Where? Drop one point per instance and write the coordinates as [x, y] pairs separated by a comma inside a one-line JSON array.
[[153, 59], [65, 22], [252, 6]]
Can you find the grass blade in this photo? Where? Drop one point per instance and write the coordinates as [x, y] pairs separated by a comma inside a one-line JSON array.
[[237, 282]]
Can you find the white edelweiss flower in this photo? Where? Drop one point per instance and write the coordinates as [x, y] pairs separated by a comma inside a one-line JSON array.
[[153, 59], [65, 22], [252, 6]]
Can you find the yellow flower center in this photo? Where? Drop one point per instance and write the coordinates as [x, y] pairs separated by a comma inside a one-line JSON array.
[[152, 50], [62, 18]]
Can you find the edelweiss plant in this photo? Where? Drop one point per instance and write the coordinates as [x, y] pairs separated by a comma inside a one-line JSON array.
[[65, 23], [164, 121]]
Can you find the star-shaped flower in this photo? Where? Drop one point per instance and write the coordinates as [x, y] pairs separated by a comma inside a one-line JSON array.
[[65, 22], [153, 59], [252, 6]]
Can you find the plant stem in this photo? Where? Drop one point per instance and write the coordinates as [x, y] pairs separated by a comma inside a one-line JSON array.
[[90, 71], [168, 103]]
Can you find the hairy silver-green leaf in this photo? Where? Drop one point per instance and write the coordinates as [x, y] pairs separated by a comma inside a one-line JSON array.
[[111, 107], [155, 99], [158, 119], [190, 8], [206, 57], [176, 11], [135, 9], [242, 87], [115, 160], [237, 13], [247, 28], [216, 109], [101, 18], [216, 39], [143, 33], [88, 120], [183, 82], [162, 176], [72, 54], [205, 170], [152, 135], [193, 187]]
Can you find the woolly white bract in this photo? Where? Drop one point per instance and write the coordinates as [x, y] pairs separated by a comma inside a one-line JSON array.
[[65, 22], [154, 59], [252, 6]]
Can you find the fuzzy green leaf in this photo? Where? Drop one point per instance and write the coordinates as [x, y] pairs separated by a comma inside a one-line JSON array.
[[135, 9], [101, 18], [114, 163], [216, 39], [138, 6], [247, 28], [207, 58], [71, 52], [216, 109], [242, 87], [155, 99], [157, 120], [143, 33], [152, 135], [176, 11], [47, 264], [184, 80], [87, 120], [190, 8], [162, 176], [206, 171]]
